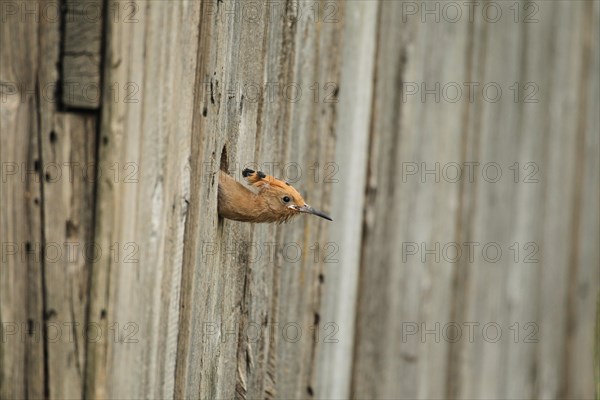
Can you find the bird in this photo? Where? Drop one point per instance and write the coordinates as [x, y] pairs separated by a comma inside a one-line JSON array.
[[271, 200]]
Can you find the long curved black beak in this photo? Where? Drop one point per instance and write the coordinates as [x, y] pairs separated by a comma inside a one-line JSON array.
[[308, 209]]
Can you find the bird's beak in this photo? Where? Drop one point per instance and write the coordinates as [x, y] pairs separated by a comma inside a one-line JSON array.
[[309, 210]]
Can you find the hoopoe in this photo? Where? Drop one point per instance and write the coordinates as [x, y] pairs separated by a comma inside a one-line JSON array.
[[273, 201]]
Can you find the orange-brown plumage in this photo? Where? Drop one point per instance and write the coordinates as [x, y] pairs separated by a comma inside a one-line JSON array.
[[273, 200]]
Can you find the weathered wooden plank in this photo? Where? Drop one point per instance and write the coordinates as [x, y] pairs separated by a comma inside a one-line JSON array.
[[221, 363], [334, 362], [187, 374], [564, 168], [111, 202], [258, 289], [522, 277], [22, 373], [495, 220], [145, 136], [265, 283], [306, 250], [264, 274], [504, 213], [585, 274], [207, 365], [68, 154], [401, 291], [301, 245], [22, 356], [230, 280], [324, 142], [521, 367], [67, 168], [81, 48], [28, 78]]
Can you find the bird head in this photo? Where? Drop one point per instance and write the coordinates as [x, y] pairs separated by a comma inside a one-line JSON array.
[[283, 201]]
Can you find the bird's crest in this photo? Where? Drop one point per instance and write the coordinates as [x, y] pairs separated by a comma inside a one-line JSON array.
[[261, 181]]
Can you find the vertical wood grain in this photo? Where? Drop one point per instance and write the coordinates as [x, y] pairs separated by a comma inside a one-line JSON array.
[[68, 143], [22, 357], [190, 305], [351, 130], [540, 296], [59, 204], [142, 207]]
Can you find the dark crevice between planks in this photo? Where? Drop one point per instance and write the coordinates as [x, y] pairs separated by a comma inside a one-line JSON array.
[[99, 140], [58, 93], [45, 314], [223, 167], [243, 353], [224, 160]]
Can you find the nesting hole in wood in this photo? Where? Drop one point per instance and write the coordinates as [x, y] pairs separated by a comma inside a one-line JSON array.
[[224, 159], [224, 166]]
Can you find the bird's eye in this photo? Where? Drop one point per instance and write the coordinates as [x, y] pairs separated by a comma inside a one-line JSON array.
[[286, 199]]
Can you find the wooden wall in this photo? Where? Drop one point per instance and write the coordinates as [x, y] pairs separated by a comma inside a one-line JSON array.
[[119, 280]]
